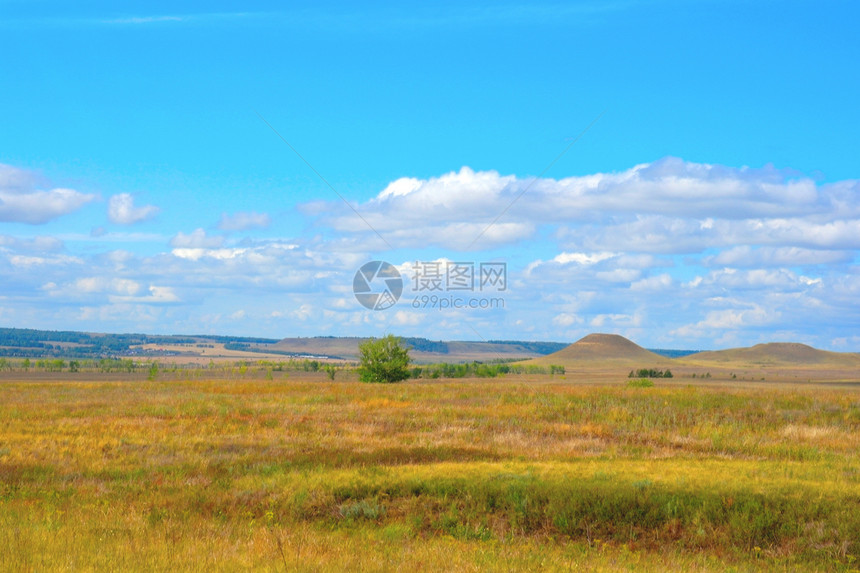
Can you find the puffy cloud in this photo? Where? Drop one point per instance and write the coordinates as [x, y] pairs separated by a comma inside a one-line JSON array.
[[665, 253], [666, 206], [582, 258], [114, 290], [660, 282], [126, 287], [39, 244], [739, 280], [197, 253], [402, 318], [616, 320], [244, 221], [121, 210], [731, 319], [747, 256], [21, 201], [26, 261], [197, 239], [566, 319]]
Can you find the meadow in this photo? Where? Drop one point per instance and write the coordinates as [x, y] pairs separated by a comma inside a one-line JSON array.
[[293, 471]]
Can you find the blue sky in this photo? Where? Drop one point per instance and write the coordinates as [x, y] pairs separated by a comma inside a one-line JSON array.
[[681, 173]]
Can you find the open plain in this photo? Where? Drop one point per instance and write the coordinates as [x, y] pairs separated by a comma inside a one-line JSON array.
[[243, 467]]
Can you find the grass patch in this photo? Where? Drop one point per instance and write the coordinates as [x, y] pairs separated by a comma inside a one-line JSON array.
[[467, 474]]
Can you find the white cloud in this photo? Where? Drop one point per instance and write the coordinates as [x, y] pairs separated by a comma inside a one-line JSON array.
[[748, 256], [157, 295], [197, 239], [22, 202], [731, 319], [402, 318], [613, 256], [739, 280], [24, 261], [126, 287], [244, 221], [648, 204], [582, 258], [303, 313], [566, 319], [615, 320], [121, 210], [197, 253], [655, 283], [40, 244]]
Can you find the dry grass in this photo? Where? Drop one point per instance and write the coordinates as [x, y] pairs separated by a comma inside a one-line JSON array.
[[524, 473]]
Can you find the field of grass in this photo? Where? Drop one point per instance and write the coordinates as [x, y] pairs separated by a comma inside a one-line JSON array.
[[509, 474]]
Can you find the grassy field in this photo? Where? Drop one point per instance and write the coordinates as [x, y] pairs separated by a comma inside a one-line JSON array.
[[300, 473]]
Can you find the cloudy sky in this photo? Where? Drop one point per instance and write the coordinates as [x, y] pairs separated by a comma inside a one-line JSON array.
[[684, 173]]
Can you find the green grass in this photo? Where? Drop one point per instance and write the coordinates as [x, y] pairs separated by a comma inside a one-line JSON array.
[[505, 474]]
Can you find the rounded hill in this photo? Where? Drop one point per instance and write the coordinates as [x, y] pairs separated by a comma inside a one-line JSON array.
[[603, 348], [777, 353]]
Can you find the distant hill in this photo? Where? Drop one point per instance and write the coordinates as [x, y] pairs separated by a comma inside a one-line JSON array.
[[594, 349], [776, 354], [672, 353], [604, 348], [30, 343], [423, 350]]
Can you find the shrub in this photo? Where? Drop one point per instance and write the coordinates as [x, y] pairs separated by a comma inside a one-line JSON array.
[[383, 360]]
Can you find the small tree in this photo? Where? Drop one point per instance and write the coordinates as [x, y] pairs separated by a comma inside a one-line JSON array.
[[330, 370], [383, 360]]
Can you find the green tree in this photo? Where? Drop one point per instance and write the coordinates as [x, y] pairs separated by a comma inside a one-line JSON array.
[[383, 360]]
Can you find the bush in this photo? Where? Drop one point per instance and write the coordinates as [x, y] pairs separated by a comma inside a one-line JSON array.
[[650, 373], [383, 360], [640, 383]]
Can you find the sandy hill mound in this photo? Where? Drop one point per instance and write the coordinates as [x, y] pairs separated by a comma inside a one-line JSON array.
[[603, 348], [777, 353]]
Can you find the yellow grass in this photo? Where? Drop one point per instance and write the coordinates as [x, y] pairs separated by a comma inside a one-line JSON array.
[[520, 474]]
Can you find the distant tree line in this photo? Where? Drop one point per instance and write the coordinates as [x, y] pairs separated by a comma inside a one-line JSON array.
[[61, 365], [480, 370], [425, 345], [650, 373], [31, 343], [542, 348]]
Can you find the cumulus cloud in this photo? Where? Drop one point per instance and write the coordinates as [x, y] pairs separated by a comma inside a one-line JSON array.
[[39, 244], [112, 289], [157, 295], [664, 252], [660, 282], [566, 319], [244, 221], [748, 256], [731, 319], [22, 201], [121, 210], [649, 205], [118, 286], [197, 239]]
